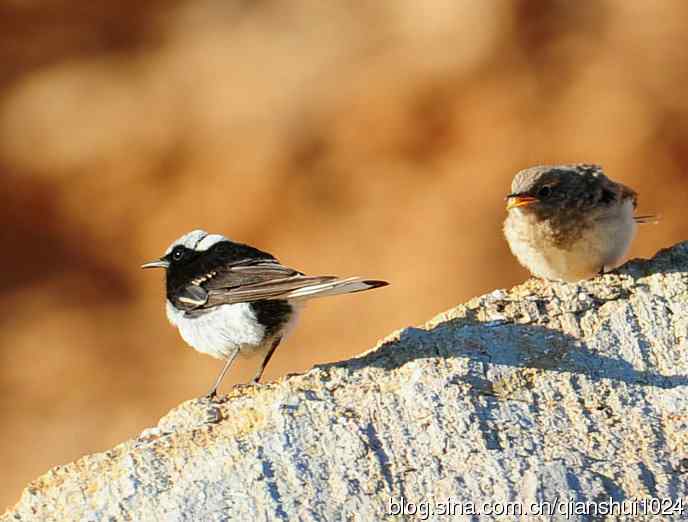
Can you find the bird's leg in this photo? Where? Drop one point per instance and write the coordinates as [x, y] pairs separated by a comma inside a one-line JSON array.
[[266, 360], [213, 391], [602, 271]]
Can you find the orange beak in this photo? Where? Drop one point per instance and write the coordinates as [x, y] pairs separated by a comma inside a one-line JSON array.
[[516, 201]]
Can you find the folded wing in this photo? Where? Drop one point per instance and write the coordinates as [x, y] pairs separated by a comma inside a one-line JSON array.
[[255, 280]]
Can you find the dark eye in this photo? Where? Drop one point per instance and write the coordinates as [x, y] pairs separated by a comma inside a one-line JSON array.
[[544, 192], [177, 253]]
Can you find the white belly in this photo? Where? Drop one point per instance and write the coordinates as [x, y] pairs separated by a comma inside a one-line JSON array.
[[221, 331], [601, 246]]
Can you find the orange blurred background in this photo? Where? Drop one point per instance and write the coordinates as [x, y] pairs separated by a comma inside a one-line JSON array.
[[374, 139]]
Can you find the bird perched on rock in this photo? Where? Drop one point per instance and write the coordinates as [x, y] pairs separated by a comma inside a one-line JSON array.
[[569, 222], [228, 298]]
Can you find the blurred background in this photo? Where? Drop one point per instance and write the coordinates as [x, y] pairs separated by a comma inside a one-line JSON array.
[[374, 138]]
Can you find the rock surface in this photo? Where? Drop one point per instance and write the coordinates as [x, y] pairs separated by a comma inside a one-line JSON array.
[[549, 392]]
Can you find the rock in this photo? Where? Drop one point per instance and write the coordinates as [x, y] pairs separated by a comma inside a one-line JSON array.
[[549, 393]]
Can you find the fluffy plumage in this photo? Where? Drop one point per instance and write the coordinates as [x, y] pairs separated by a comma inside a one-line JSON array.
[[569, 222]]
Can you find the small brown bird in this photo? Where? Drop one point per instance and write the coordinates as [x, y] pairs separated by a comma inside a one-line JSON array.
[[570, 222]]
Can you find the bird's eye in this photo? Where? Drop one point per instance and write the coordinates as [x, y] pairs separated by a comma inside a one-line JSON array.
[[177, 254], [544, 192]]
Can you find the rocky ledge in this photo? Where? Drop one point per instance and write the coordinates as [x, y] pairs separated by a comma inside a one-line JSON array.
[[549, 396]]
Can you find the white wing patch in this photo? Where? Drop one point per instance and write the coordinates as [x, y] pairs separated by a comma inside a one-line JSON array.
[[202, 279]]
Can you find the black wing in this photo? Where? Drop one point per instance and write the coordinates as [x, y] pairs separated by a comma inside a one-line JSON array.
[[245, 281]]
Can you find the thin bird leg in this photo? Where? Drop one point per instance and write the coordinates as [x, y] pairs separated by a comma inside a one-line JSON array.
[[213, 391], [266, 360]]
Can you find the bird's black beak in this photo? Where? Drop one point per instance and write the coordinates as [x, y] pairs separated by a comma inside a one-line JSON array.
[[158, 263], [519, 200]]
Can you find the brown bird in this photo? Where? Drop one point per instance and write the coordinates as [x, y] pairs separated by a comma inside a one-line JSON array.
[[570, 222]]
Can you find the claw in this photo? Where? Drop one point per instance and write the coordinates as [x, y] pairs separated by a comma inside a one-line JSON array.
[[213, 398]]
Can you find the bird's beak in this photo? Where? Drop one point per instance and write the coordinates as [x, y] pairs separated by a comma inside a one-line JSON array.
[[519, 200], [158, 263]]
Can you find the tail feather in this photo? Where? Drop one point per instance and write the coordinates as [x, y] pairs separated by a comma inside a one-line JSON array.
[[649, 219], [339, 286]]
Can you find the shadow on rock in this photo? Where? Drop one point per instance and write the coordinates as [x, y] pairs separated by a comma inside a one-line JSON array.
[[493, 348]]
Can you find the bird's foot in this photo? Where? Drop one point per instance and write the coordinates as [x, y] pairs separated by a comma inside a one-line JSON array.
[[213, 398], [244, 386]]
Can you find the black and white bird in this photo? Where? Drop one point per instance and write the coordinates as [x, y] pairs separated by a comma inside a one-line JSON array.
[[228, 298]]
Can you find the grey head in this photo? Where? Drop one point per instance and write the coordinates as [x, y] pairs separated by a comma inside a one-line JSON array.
[[565, 192]]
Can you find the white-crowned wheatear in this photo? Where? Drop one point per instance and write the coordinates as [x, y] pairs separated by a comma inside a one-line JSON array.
[[228, 298]]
